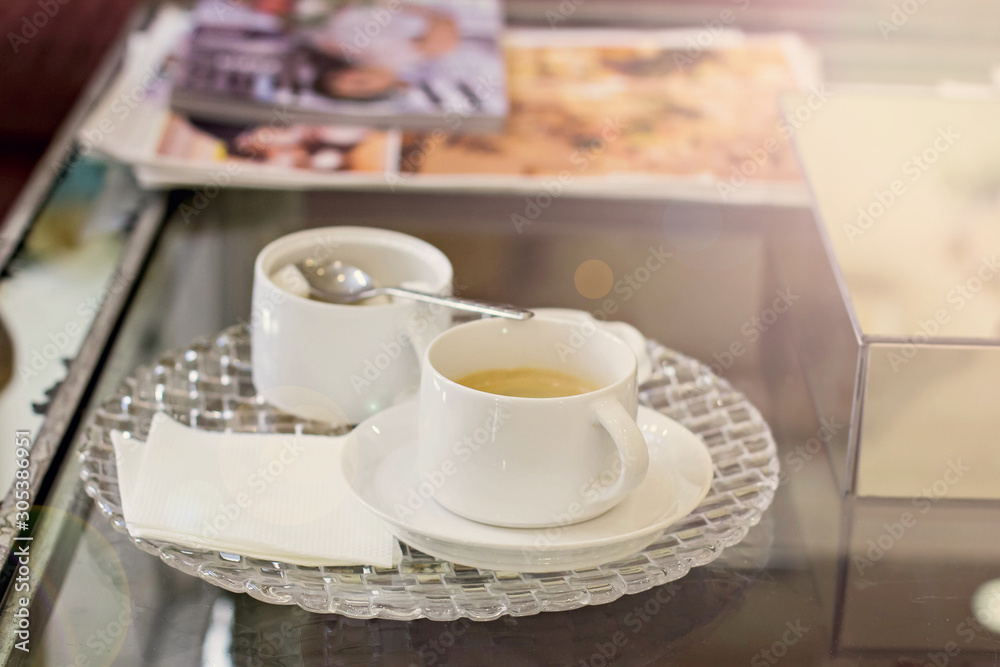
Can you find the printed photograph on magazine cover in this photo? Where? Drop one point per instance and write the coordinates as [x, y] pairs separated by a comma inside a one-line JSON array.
[[392, 61], [632, 107]]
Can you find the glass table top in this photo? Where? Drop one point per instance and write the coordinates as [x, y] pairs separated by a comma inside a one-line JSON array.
[[823, 579]]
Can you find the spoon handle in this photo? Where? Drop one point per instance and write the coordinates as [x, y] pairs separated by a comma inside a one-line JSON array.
[[500, 310]]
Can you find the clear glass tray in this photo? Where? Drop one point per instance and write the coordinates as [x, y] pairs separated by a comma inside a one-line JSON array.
[[208, 385]]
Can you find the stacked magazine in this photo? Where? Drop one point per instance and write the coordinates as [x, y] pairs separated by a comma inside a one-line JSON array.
[[395, 95], [390, 65]]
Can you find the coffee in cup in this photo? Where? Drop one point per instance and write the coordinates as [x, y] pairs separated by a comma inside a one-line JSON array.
[[527, 382]]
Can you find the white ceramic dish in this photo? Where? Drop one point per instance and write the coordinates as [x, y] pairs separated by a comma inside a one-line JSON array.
[[380, 467], [339, 363]]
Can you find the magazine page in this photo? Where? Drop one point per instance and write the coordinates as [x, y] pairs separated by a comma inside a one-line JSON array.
[[279, 147], [355, 61], [669, 114]]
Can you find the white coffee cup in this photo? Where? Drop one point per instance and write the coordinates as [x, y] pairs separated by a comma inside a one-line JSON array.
[[343, 363], [530, 462]]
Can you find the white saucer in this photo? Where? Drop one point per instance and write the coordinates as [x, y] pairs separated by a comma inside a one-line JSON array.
[[380, 466]]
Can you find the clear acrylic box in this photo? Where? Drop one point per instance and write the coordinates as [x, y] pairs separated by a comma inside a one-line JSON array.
[[906, 189]]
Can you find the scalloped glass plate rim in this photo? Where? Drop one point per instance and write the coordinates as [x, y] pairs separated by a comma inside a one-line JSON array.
[[683, 388]]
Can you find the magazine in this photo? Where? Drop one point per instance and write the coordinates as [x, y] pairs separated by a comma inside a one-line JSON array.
[[412, 63], [604, 113]]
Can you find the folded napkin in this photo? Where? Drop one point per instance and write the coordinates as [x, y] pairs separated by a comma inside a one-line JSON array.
[[271, 496]]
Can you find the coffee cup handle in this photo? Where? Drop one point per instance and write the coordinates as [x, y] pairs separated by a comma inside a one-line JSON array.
[[632, 449]]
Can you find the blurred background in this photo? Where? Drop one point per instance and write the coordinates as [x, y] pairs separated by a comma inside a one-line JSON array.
[[955, 40], [43, 78]]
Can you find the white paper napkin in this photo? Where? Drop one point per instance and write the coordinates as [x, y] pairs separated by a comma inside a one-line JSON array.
[[270, 496]]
